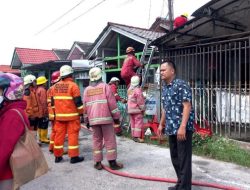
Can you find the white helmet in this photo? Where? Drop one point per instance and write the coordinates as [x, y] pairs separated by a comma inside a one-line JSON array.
[[29, 79], [65, 70], [95, 74], [135, 80], [114, 79]]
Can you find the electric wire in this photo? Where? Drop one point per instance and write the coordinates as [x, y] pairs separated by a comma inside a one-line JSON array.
[[90, 9], [59, 18]]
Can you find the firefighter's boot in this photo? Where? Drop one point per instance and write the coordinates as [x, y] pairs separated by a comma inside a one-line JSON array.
[[98, 166], [114, 165], [44, 138], [39, 134], [76, 159], [58, 159]]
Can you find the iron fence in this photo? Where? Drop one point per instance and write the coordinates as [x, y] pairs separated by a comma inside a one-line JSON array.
[[219, 75]]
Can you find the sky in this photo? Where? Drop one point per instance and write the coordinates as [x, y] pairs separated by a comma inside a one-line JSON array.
[[47, 24]]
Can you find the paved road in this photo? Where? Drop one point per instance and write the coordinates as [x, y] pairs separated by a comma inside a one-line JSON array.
[[141, 159]]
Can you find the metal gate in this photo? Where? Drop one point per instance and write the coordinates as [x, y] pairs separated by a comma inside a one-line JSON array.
[[219, 75]]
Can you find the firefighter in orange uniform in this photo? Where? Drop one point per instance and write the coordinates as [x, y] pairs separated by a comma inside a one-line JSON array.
[[55, 77], [180, 20], [32, 109], [68, 105], [129, 65], [101, 113], [43, 120], [114, 83]]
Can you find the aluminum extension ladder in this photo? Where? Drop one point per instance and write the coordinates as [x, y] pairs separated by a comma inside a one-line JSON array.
[[146, 60]]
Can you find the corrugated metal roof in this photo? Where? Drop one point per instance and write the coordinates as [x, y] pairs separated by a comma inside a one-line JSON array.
[[214, 19], [136, 34], [62, 53], [141, 32], [35, 56]]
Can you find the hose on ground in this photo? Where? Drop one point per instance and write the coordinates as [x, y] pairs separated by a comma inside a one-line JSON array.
[[167, 180]]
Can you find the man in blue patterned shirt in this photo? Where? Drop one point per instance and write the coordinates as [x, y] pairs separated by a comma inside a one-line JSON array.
[[177, 120]]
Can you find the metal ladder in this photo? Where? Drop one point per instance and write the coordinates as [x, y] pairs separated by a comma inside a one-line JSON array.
[[146, 59]]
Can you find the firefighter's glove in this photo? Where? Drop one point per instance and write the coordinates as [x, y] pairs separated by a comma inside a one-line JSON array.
[[117, 121]]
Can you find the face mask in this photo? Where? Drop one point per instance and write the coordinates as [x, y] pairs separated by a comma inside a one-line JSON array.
[[1, 99]]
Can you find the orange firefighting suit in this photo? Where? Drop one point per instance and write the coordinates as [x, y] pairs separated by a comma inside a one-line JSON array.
[[179, 21], [41, 94], [32, 109], [127, 71], [100, 112], [113, 87], [68, 107], [51, 111], [136, 108]]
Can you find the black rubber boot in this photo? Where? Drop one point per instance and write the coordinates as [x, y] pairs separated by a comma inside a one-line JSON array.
[[58, 159], [76, 159], [114, 165], [98, 166]]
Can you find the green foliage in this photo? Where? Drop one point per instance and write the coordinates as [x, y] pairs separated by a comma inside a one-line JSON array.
[[221, 149]]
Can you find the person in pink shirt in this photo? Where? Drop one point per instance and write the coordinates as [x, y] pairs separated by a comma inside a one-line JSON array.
[[136, 108], [101, 113]]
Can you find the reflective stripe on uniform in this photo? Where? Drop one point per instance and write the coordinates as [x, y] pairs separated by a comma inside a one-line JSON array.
[[73, 147], [66, 114], [111, 151], [63, 97], [137, 129], [51, 115], [80, 107], [101, 119], [115, 110], [97, 151], [51, 142], [96, 101], [58, 147]]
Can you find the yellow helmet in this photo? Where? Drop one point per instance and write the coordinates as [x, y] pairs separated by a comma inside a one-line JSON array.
[[185, 15], [41, 80], [130, 49], [95, 74]]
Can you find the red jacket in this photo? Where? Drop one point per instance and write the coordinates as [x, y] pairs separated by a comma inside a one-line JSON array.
[[11, 129], [179, 21]]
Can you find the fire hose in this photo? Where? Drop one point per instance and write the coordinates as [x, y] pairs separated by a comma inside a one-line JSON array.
[[167, 180]]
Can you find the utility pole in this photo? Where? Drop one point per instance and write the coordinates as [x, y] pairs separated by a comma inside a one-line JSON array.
[[171, 14]]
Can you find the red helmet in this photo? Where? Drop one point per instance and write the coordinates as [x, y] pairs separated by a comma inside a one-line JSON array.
[[55, 77]]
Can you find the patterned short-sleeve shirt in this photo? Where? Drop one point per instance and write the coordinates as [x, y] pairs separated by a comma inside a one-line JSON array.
[[173, 96]]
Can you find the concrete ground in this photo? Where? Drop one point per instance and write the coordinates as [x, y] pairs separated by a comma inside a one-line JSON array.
[[141, 159]]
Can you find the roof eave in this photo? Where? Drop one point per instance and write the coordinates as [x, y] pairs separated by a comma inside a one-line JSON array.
[[117, 30]]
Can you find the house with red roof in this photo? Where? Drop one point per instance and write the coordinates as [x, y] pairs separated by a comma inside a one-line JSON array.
[[8, 69]]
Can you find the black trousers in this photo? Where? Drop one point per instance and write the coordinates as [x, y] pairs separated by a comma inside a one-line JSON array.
[[181, 156], [43, 123]]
